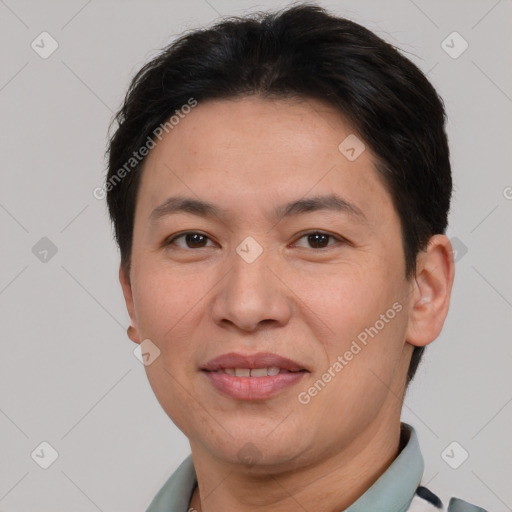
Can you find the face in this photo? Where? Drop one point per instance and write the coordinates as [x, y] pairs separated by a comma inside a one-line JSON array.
[[316, 283]]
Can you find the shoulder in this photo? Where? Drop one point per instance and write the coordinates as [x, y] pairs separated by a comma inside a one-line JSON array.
[[426, 501]]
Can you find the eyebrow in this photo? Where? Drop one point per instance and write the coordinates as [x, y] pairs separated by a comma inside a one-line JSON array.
[[181, 204]]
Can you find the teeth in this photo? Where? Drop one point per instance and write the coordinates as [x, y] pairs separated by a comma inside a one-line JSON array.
[[252, 372], [259, 372]]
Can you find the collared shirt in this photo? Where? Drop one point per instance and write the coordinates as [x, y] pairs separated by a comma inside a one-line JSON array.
[[397, 489]]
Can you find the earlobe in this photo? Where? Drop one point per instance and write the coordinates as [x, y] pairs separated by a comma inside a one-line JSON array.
[[124, 279], [430, 297], [132, 334]]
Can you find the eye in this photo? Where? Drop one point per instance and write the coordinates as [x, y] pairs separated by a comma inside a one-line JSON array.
[[319, 239], [197, 240], [193, 240]]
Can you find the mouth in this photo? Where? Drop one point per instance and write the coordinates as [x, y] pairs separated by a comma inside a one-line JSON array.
[[271, 371], [257, 361], [252, 377]]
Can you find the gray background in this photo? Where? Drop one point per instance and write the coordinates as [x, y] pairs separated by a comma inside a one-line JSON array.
[[68, 375]]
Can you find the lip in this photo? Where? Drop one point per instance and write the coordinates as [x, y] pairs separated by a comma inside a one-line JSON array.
[[252, 388], [258, 360]]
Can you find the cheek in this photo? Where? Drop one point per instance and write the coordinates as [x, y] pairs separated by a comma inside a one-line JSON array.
[[369, 326], [165, 303], [365, 311], [350, 299], [364, 351], [167, 312]]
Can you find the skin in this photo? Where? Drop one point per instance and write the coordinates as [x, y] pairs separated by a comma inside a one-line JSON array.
[[297, 300]]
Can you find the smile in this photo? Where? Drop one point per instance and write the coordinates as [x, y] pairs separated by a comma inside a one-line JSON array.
[[254, 372]]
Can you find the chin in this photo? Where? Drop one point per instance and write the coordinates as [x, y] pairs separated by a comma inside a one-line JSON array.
[[256, 454]]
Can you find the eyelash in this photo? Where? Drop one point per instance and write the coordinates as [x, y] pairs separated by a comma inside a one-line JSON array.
[[314, 232]]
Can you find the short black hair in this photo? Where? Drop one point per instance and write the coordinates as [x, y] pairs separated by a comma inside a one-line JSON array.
[[303, 52]]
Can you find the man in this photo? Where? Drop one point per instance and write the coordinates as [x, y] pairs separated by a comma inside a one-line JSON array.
[[279, 187]]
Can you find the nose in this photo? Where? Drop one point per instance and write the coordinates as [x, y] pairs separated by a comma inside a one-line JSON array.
[[252, 294]]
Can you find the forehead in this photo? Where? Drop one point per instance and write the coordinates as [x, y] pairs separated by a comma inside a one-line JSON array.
[[252, 151]]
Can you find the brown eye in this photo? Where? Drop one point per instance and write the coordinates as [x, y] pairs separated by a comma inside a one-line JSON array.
[[193, 240], [318, 239]]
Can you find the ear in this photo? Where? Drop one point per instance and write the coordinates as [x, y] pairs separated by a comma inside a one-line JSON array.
[[124, 279], [432, 286]]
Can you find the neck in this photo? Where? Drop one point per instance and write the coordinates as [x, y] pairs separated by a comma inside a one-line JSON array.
[[331, 484]]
